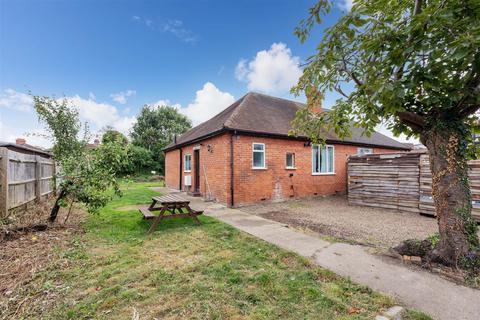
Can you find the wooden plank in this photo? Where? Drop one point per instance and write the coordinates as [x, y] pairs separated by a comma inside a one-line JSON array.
[[3, 182], [146, 213]]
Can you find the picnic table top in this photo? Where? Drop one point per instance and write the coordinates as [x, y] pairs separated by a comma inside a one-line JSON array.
[[170, 198]]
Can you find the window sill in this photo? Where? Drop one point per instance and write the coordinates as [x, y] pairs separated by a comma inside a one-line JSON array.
[[323, 173], [187, 171], [259, 168], [290, 168]]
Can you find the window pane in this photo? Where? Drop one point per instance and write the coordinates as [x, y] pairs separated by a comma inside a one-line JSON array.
[[323, 160], [290, 160], [330, 159], [258, 159], [315, 159], [258, 147]]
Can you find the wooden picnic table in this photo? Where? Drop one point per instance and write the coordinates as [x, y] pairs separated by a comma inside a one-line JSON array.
[[171, 206]]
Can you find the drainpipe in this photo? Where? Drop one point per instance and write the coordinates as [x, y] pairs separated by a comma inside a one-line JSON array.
[[232, 202], [180, 175]]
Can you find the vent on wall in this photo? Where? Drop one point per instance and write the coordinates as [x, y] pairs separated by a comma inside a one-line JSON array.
[[188, 180]]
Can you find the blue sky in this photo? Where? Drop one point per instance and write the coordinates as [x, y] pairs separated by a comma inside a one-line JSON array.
[[109, 58]]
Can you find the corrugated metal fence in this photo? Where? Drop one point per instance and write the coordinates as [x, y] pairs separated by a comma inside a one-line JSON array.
[[24, 177], [400, 181]]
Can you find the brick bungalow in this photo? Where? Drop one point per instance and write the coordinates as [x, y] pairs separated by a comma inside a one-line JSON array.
[[244, 155]]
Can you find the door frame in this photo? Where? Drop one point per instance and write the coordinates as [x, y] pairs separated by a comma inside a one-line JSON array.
[[196, 161]]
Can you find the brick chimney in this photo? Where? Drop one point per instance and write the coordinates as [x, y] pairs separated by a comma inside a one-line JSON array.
[[20, 141], [314, 100]]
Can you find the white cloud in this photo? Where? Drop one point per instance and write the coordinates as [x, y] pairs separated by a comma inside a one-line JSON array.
[[15, 100], [161, 103], [99, 115], [91, 96], [208, 102], [271, 71], [122, 97], [176, 28], [345, 5]]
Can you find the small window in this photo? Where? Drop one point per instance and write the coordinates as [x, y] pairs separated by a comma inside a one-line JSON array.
[[290, 161], [364, 151], [323, 159], [258, 156], [188, 163]]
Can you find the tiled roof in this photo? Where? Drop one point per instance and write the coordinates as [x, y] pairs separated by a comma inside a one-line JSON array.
[[257, 113]]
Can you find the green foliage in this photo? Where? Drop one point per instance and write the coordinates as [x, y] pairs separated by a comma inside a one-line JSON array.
[[409, 64], [112, 135], [86, 176], [434, 239], [139, 160], [155, 129]]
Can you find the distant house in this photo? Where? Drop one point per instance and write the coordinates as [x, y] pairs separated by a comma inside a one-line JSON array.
[[244, 155]]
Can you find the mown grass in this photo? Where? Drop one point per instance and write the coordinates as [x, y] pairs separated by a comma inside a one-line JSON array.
[[185, 271]]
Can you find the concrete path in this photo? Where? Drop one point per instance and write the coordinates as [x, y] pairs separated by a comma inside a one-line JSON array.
[[416, 289]]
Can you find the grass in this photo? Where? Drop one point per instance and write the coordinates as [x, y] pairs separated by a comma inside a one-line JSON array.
[[184, 271]]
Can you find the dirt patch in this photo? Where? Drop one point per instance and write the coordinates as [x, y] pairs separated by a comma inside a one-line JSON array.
[[25, 259], [333, 217], [132, 207]]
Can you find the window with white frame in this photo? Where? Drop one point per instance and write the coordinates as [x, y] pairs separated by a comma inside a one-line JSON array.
[[188, 163], [323, 159], [290, 161], [364, 151], [258, 156]]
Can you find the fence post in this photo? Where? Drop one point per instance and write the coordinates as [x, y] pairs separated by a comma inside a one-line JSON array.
[[38, 176], [4, 182]]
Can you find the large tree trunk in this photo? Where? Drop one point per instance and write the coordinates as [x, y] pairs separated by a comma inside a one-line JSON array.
[[451, 194]]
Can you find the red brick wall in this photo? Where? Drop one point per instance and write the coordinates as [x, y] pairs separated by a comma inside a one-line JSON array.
[[254, 185], [276, 182], [214, 167], [172, 162]]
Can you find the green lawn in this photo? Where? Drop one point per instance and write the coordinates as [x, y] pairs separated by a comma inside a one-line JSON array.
[[184, 271]]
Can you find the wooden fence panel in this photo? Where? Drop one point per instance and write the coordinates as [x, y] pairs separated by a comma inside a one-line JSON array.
[[25, 177], [400, 181]]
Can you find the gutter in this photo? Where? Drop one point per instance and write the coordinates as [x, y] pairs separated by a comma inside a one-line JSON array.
[[180, 175], [232, 162]]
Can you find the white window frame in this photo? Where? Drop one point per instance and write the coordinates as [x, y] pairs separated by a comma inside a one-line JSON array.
[[362, 148], [333, 157], [293, 160], [185, 162], [264, 156]]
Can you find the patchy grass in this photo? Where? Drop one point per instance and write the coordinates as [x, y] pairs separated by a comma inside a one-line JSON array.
[[184, 271]]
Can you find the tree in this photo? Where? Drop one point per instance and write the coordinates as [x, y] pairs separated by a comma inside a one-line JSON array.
[[86, 176], [155, 129], [414, 66], [112, 135]]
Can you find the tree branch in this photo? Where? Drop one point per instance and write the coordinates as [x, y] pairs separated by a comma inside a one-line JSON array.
[[413, 120], [418, 7], [350, 73]]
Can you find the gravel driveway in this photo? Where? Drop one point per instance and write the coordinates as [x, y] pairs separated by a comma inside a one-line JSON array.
[[332, 217]]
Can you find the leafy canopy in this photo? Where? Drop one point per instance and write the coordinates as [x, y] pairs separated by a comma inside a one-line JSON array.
[[155, 129], [112, 135], [408, 64], [86, 176]]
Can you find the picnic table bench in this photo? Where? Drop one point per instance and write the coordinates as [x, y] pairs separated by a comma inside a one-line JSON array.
[[171, 206]]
